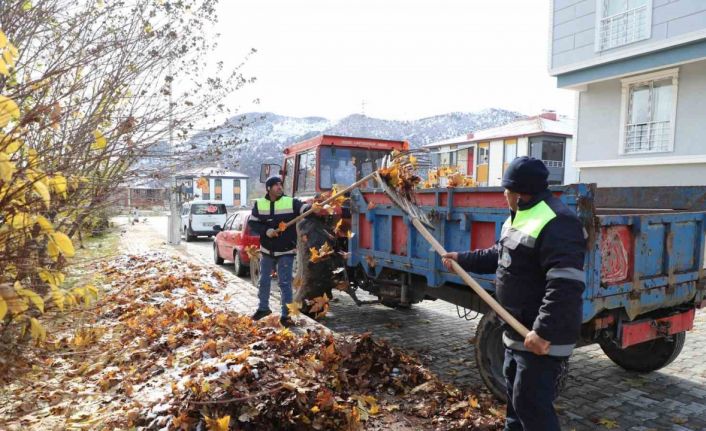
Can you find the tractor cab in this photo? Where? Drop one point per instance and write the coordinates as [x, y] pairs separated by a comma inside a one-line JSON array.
[[317, 164]]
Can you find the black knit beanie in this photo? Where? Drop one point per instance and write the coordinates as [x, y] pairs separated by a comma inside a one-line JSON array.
[[526, 175], [272, 181]]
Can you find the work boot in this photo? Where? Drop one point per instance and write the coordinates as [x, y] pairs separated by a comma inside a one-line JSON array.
[[259, 314], [286, 321]]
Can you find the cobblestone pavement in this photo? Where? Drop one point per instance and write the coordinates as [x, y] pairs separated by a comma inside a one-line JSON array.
[[673, 398]]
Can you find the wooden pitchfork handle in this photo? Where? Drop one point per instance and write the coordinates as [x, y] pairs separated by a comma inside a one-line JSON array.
[[330, 199], [485, 296]]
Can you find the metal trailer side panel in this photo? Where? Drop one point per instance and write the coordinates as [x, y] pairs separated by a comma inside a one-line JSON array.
[[637, 262]]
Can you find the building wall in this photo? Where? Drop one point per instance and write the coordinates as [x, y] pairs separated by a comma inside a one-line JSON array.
[[141, 198], [571, 174], [599, 125], [599, 121], [644, 176], [523, 146], [227, 191], [495, 168], [574, 28]]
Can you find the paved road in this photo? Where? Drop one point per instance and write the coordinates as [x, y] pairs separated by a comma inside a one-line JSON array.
[[673, 398]]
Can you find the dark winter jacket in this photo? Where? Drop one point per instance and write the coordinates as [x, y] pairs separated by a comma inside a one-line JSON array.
[[268, 214], [538, 263]]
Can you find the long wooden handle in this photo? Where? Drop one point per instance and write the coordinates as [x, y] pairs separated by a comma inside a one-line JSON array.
[[330, 199], [485, 296]]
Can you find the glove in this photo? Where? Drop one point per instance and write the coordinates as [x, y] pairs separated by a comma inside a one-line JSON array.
[[271, 233]]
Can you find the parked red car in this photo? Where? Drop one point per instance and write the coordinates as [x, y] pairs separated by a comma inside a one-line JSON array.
[[232, 240]]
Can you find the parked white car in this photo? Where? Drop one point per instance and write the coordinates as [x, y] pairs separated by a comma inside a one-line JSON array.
[[199, 217]]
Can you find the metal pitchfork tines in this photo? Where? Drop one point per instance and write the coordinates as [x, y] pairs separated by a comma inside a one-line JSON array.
[[398, 180]]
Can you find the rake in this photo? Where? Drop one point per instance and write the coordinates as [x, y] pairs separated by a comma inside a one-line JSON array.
[[405, 201]]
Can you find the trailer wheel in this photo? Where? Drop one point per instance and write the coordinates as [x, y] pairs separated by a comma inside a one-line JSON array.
[[648, 356], [490, 354]]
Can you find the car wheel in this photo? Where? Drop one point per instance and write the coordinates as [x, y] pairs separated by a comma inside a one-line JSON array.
[[255, 271], [238, 266], [217, 259]]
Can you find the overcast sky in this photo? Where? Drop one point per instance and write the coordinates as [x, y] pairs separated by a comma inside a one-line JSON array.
[[404, 59]]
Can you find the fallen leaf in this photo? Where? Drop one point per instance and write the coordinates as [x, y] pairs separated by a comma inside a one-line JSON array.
[[220, 424], [320, 305], [608, 423], [294, 308]]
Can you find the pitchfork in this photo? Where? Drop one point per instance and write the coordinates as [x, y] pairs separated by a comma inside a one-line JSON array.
[[419, 220]]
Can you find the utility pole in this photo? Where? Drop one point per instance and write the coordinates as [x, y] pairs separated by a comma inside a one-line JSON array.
[[174, 222]]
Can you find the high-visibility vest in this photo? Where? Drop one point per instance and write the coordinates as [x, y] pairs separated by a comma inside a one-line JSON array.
[[283, 206], [527, 225]]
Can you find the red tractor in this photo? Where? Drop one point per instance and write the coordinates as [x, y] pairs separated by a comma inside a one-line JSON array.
[[315, 165]]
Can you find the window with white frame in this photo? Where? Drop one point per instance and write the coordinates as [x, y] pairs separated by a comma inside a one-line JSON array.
[[621, 22], [649, 112]]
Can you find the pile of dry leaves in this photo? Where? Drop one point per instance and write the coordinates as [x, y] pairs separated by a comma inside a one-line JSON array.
[[162, 351]]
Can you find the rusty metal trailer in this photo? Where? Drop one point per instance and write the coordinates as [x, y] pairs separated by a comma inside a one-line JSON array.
[[644, 266]]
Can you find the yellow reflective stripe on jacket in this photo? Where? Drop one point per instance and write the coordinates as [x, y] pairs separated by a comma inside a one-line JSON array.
[[528, 224]]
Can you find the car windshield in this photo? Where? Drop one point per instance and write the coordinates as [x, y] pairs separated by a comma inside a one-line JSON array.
[[201, 209], [344, 166]]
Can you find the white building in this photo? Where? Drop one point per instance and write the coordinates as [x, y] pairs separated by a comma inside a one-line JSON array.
[[639, 71], [485, 154], [228, 186]]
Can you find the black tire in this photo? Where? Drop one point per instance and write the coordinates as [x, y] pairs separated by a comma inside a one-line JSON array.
[[395, 304], [188, 237], [217, 259], [490, 354], [648, 356], [255, 271], [238, 266]]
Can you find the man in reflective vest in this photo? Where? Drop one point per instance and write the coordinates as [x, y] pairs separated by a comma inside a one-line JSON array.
[[277, 249], [538, 263]]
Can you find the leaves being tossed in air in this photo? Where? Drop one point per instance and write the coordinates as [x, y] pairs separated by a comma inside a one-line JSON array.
[[338, 229], [252, 251], [294, 308], [319, 306], [202, 183], [322, 253], [338, 201]]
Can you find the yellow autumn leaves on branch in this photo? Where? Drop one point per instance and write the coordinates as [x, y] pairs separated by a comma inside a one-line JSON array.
[[27, 194], [8, 55]]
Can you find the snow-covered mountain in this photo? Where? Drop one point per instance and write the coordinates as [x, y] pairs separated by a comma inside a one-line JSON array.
[[246, 141]]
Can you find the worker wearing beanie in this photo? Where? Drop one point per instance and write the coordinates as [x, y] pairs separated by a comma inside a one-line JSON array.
[[277, 249], [538, 263]]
